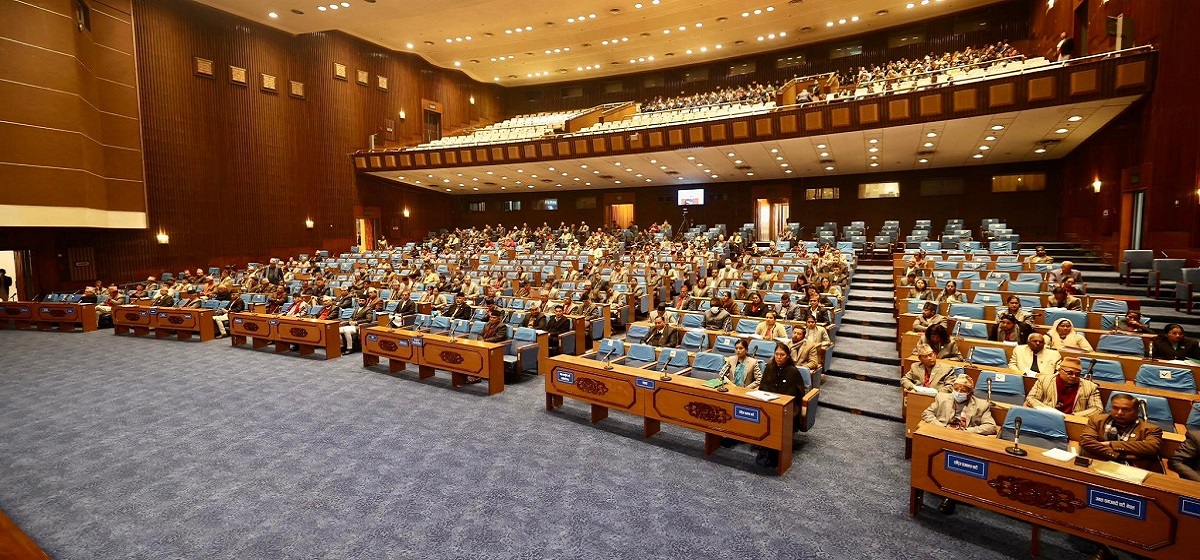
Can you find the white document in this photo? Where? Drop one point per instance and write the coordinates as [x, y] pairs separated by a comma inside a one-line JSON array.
[[1059, 455], [927, 391], [762, 395]]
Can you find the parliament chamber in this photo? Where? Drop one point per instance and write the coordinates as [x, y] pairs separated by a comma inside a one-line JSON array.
[[625, 279]]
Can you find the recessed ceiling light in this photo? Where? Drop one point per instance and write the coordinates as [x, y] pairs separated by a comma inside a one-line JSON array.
[[820, 146], [828, 168], [1040, 151], [774, 150], [872, 149], [714, 177], [321, 8], [272, 15], [873, 141], [985, 148], [998, 127], [731, 154], [874, 164], [750, 174], [928, 144], [855, 18], [410, 45], [978, 156], [829, 24], [1061, 131], [874, 157], [787, 171], [923, 160], [1075, 118], [824, 154], [931, 135], [737, 161], [989, 138]]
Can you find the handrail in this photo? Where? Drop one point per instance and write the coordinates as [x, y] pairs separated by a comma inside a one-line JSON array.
[[931, 73]]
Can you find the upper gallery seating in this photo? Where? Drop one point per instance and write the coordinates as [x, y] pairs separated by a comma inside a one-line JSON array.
[[522, 127]]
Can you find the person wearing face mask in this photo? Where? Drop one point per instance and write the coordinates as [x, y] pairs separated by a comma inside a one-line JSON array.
[[1121, 437], [1065, 391], [960, 410]]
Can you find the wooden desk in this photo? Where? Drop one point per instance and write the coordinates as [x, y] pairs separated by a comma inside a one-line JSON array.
[[309, 334], [906, 321], [48, 315], [183, 323], [132, 318], [1159, 518], [15, 544], [430, 352], [682, 401]]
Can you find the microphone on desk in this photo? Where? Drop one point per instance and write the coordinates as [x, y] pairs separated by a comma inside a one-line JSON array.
[[665, 375], [470, 328], [1088, 374], [453, 328], [1142, 407], [607, 363], [1016, 446], [989, 390], [1152, 351]]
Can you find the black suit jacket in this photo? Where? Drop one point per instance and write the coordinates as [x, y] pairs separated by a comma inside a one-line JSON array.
[[406, 307], [459, 311], [668, 338], [1188, 348], [556, 325]]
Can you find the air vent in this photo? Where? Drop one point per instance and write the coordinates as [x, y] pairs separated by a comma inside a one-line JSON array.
[[488, 35], [739, 42], [489, 184], [430, 43], [672, 172], [881, 13], [549, 24], [795, 1], [825, 161], [805, 29], [615, 11], [1049, 142], [474, 61], [512, 76], [586, 45], [297, 12], [669, 54], [547, 181], [607, 177], [925, 152], [645, 35], [744, 168]]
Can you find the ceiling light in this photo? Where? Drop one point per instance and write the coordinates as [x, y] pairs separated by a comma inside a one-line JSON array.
[[928, 144], [874, 157], [731, 154], [985, 148], [783, 165], [820, 146], [771, 36], [717, 47], [683, 28], [272, 15], [1075, 118], [1061, 131], [691, 158], [760, 37], [457, 63], [910, 6], [1040, 151], [714, 177], [824, 154], [410, 45], [787, 171], [829, 24], [828, 168], [750, 174], [322, 8], [737, 161], [872, 149], [689, 51], [931, 135], [855, 18], [923, 160], [874, 164], [989, 138], [345, 4], [978, 156], [333, 6], [778, 158], [873, 141], [745, 14], [998, 127], [841, 22]]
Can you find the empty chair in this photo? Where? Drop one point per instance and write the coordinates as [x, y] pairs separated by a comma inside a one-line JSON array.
[[1185, 290], [1110, 306], [987, 285], [639, 355], [1030, 301], [1025, 287], [1005, 387], [988, 356], [1009, 266], [695, 340], [1158, 409], [1159, 376], [1031, 277], [746, 326], [610, 349], [967, 310], [1164, 272], [672, 360], [1121, 344], [969, 329], [636, 333], [985, 298], [761, 349], [707, 365], [1040, 427], [522, 351], [1103, 370], [1134, 261], [724, 345]]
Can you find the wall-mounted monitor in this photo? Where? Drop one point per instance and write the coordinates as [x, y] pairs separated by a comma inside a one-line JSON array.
[[691, 197]]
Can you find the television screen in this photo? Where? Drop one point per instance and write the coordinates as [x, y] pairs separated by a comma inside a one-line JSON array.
[[691, 197]]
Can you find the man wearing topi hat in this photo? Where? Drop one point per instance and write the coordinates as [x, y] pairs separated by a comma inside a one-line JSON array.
[[960, 410], [1065, 390]]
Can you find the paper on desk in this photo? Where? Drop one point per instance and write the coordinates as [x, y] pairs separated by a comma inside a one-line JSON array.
[[762, 395], [1121, 472], [1059, 454], [927, 391]]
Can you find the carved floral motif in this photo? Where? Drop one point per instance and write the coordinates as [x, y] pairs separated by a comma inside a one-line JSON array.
[[250, 327], [131, 316], [592, 386], [298, 332], [388, 346], [449, 357], [175, 319], [708, 413], [1036, 494]]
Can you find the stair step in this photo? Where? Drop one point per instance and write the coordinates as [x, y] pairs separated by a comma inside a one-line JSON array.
[[866, 332], [869, 318], [867, 351], [875, 372], [878, 306], [857, 397]]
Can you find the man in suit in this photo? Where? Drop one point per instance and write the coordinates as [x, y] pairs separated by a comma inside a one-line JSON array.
[[405, 306], [1121, 437], [684, 301], [435, 299], [1033, 356], [274, 272], [662, 334], [805, 353], [960, 410], [929, 317], [493, 331], [534, 319], [461, 309], [557, 325], [1066, 391], [1186, 461], [815, 311], [928, 372], [362, 314], [1066, 271], [787, 310], [164, 298]]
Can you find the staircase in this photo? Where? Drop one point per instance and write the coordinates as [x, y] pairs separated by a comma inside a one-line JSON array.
[[863, 376]]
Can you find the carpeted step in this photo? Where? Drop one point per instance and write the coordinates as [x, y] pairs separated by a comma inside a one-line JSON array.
[[869, 318], [866, 332], [878, 286], [887, 374], [885, 296], [859, 397], [867, 350], [876, 306], [875, 268]]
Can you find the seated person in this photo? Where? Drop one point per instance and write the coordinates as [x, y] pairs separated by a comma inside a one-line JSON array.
[[1066, 391], [435, 299], [1033, 357], [1174, 344], [1063, 336], [1186, 461], [741, 369], [787, 311], [115, 298], [805, 353], [929, 317], [756, 307], [1007, 329], [298, 307], [717, 317], [781, 377], [221, 316], [1039, 257], [1132, 324], [920, 290], [493, 331], [364, 313], [938, 338], [1066, 271], [1122, 437], [139, 293], [684, 300], [1060, 298], [89, 296], [770, 328], [950, 294], [816, 334], [928, 372], [959, 409], [405, 307], [1014, 308], [557, 325], [460, 309], [662, 334], [815, 310], [661, 311], [164, 298], [534, 319]]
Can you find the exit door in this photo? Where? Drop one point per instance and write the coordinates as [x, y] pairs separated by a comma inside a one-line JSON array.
[[770, 218]]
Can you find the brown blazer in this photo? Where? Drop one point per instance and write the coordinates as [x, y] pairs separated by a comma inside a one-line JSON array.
[[1140, 451], [1044, 394]]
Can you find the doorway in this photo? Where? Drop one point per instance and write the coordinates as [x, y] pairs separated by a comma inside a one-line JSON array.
[[364, 229], [15, 267], [622, 214], [1139, 216], [432, 129], [770, 218], [1081, 30]]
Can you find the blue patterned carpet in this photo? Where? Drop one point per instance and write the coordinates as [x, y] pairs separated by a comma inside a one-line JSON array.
[[114, 447]]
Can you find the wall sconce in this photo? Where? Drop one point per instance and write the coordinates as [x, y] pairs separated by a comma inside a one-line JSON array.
[[1096, 185], [402, 115], [405, 212], [472, 100], [163, 238], [308, 223]]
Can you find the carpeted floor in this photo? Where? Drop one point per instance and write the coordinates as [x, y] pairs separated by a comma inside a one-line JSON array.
[[114, 447]]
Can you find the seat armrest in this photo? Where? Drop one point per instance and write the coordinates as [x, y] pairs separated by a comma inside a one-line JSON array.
[[566, 342], [1123, 270]]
